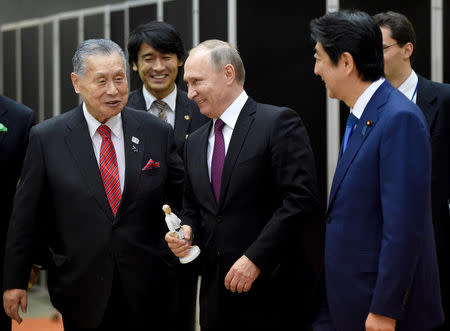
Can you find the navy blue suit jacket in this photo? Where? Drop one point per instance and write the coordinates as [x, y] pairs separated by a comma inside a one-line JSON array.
[[380, 254]]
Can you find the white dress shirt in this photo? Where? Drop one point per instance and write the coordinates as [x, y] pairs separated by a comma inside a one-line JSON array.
[[409, 87], [364, 98], [170, 100], [115, 124], [229, 117]]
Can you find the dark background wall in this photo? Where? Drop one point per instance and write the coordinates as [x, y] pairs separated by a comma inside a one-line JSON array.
[[273, 39]]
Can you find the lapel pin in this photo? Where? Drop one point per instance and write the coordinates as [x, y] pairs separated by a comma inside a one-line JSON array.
[[186, 136], [134, 148], [135, 140], [3, 128], [187, 117], [368, 123]]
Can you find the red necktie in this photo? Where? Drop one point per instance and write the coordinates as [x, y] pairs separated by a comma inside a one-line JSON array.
[[109, 169]]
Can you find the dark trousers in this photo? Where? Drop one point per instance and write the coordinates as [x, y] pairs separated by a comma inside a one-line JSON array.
[[117, 315]]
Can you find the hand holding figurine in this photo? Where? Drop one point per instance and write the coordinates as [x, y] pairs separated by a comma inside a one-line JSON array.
[[185, 252]]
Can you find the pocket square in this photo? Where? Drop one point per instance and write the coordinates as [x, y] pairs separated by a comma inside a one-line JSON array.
[[151, 165]]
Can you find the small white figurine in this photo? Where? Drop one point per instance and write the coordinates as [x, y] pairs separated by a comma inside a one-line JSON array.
[[174, 225]]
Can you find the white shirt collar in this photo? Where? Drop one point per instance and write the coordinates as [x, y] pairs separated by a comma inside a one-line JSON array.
[[231, 114], [170, 99], [365, 97], [114, 123], [409, 85]]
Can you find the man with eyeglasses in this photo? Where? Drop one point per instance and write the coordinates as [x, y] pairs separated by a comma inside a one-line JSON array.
[[399, 42]]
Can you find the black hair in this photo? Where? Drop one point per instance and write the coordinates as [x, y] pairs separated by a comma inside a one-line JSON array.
[[355, 32]]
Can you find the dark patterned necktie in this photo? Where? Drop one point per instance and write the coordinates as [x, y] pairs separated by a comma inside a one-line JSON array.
[[109, 169], [218, 158], [161, 106]]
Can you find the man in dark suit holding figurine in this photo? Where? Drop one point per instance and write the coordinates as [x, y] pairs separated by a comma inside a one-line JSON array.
[[250, 191]]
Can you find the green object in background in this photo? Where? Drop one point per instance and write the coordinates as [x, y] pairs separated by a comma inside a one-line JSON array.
[[3, 128]]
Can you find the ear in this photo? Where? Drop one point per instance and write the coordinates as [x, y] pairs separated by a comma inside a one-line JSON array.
[[229, 72], [135, 68], [407, 51], [75, 81], [346, 60], [180, 62]]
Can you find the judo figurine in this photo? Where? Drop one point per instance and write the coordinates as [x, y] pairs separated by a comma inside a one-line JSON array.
[[174, 225]]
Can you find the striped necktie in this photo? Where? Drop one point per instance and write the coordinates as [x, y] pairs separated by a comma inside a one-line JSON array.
[[109, 169], [161, 105]]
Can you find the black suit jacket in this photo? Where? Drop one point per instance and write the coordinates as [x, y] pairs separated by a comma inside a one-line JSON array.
[[18, 119], [187, 115], [61, 190], [434, 100], [268, 193]]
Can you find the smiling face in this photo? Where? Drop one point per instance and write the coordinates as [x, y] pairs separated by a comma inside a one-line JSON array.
[[330, 73], [104, 86], [208, 87], [158, 71]]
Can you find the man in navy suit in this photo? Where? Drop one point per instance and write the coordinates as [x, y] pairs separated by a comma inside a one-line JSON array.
[[94, 180], [250, 192], [15, 124], [381, 269], [433, 98]]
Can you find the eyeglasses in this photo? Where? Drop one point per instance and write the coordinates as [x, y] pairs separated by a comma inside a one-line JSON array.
[[387, 46]]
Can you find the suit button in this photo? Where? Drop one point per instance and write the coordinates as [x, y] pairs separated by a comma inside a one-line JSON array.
[[219, 219], [328, 220]]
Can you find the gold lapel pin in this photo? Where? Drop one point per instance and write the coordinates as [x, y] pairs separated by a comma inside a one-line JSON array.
[[369, 123], [186, 136], [187, 117]]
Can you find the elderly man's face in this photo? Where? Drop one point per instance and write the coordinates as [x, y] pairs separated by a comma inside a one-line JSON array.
[[104, 86]]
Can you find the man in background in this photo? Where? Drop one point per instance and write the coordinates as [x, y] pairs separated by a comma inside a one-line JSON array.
[[16, 121], [381, 268], [156, 53], [399, 43]]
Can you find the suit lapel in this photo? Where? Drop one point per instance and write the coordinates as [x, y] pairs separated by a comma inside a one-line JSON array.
[[240, 131], [362, 130], [133, 144], [80, 144], [203, 163], [426, 100], [183, 117], [137, 100]]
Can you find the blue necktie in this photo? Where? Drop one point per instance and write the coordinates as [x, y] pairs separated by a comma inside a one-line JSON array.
[[351, 121]]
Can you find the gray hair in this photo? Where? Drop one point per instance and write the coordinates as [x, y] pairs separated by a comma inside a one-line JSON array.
[[94, 47], [221, 54]]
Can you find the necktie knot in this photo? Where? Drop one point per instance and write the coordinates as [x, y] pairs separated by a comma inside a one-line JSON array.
[[104, 131], [218, 126]]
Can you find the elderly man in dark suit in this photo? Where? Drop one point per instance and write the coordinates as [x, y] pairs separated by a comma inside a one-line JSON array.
[[95, 179], [399, 42], [250, 190], [15, 124]]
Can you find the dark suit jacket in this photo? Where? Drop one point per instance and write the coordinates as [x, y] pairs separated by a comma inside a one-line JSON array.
[[380, 254], [268, 192], [62, 190], [187, 115], [434, 100], [18, 119]]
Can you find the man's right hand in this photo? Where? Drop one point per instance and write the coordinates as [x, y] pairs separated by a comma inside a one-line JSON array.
[[11, 301], [180, 247]]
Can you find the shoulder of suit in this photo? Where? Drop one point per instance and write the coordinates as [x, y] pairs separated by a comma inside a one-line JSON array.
[[19, 109], [439, 89]]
